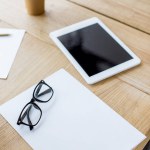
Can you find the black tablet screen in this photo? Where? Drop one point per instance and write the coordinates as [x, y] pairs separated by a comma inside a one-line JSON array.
[[94, 49]]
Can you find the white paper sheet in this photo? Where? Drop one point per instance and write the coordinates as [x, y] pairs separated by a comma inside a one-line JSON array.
[[9, 46], [75, 119]]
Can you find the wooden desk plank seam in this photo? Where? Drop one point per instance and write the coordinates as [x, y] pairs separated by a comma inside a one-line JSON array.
[[107, 16]]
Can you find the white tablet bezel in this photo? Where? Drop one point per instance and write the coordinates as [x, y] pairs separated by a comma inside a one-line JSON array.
[[104, 74]]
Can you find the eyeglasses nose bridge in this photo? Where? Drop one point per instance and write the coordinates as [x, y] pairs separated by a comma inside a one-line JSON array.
[[32, 100]]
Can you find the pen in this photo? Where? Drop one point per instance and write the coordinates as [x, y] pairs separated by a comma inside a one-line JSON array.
[[4, 34]]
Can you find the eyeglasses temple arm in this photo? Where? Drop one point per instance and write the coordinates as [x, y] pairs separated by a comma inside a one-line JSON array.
[[29, 121], [45, 92], [25, 113], [28, 118], [38, 89]]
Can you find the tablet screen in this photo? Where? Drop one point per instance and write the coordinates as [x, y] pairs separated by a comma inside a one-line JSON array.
[[94, 49]]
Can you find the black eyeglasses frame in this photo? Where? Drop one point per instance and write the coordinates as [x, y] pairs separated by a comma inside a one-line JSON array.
[[33, 100]]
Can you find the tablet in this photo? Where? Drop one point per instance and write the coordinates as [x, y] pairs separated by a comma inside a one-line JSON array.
[[94, 50]]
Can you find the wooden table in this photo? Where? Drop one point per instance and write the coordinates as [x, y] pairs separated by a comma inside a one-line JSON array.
[[128, 93]]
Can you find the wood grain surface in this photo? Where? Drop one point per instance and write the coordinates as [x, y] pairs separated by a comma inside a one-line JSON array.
[[134, 13], [128, 93]]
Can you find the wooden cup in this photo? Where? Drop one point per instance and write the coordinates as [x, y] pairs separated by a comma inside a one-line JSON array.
[[35, 7]]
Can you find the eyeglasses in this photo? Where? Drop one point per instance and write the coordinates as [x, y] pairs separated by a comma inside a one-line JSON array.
[[147, 147], [32, 113]]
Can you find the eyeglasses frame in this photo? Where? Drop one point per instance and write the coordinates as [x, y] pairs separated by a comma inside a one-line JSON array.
[[33, 100]]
